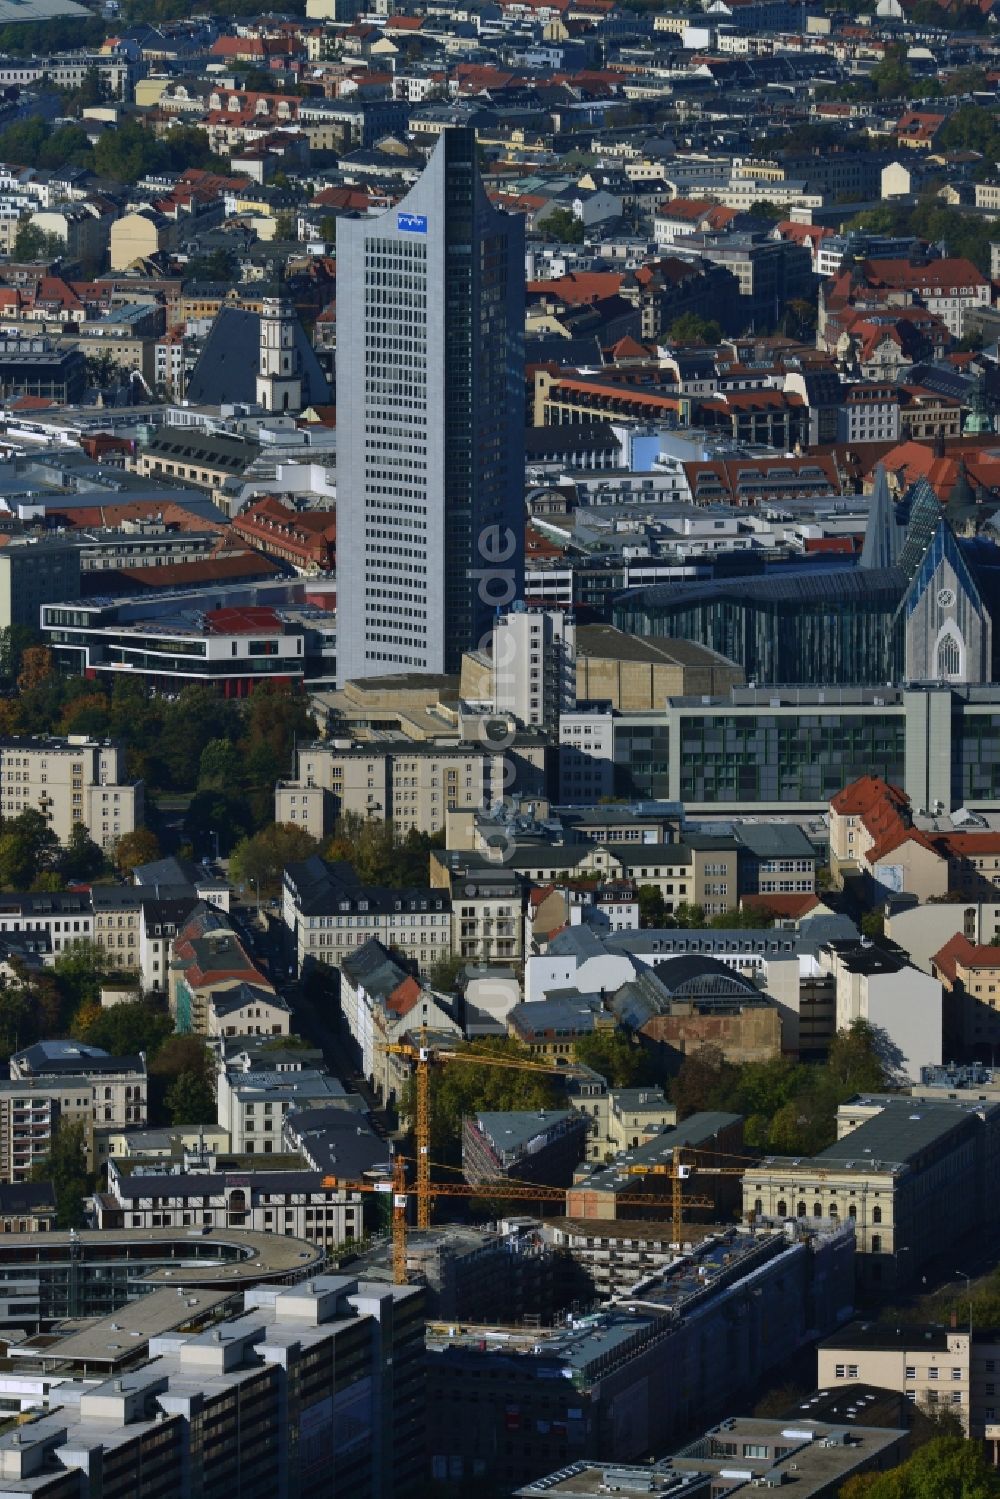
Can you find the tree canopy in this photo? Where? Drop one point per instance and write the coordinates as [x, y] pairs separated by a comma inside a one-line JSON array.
[[789, 1107], [945, 1468], [379, 855], [65, 1166], [460, 1088]]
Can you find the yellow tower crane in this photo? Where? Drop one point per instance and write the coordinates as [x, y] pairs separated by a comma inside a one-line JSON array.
[[424, 1057], [679, 1170], [515, 1191]]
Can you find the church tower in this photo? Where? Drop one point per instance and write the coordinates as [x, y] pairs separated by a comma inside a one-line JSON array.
[[279, 372]]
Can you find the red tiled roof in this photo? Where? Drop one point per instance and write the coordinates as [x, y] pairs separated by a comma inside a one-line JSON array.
[[688, 210], [959, 950], [245, 620], [404, 997], [578, 287], [788, 906], [248, 564], [949, 274], [969, 845]]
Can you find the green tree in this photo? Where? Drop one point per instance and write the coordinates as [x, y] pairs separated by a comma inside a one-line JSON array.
[[563, 226], [690, 328], [703, 1081], [220, 767], [619, 1059], [216, 812], [260, 860], [443, 975], [284, 227], [27, 845], [128, 152], [79, 973], [462, 1088], [18, 1022], [32, 243], [188, 146], [971, 128], [891, 78], [763, 208], [14, 641], [652, 911], [81, 859], [65, 1166], [946, 1468], [191, 1100], [141, 846], [125, 1029]]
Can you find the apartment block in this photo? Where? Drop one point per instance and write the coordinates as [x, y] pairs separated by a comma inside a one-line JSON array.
[[69, 781], [253, 1101], [31, 1108], [534, 665], [215, 988], [328, 914], [410, 782], [381, 1004], [226, 1194]]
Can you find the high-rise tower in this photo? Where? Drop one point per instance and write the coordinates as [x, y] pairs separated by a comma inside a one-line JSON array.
[[430, 421]]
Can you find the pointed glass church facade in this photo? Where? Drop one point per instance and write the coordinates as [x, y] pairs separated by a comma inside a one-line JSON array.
[[917, 608]]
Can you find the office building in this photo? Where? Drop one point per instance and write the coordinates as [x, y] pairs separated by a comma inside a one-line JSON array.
[[313, 1380], [937, 1368], [913, 1178], [36, 570], [793, 748], [95, 1272], [57, 1082], [814, 1454], [430, 414], [35, 367], [638, 1375]]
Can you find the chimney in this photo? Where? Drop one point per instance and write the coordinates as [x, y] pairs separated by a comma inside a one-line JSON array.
[[954, 1317]]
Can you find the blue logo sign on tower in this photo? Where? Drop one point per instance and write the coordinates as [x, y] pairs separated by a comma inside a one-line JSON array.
[[413, 223]]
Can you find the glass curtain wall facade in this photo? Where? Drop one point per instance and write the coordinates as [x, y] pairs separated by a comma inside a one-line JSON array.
[[837, 628]]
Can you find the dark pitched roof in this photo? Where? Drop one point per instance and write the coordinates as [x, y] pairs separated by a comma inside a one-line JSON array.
[[227, 366]]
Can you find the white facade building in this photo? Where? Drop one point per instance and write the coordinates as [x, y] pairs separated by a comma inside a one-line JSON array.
[[534, 665]]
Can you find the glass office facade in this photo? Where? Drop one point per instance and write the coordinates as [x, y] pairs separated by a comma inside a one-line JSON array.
[[771, 758], [975, 761]]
